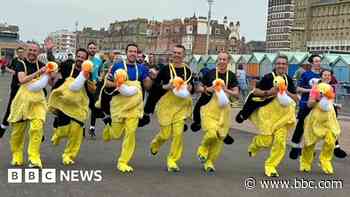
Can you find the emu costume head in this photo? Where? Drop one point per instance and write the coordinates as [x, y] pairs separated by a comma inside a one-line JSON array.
[[219, 85], [282, 96], [180, 88], [325, 94], [38, 85]]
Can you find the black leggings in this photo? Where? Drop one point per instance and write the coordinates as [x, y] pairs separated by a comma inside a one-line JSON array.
[[13, 92]]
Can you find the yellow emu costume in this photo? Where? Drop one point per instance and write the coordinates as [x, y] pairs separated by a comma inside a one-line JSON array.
[[28, 108], [319, 125], [75, 105], [172, 111], [273, 121], [125, 113], [216, 123]]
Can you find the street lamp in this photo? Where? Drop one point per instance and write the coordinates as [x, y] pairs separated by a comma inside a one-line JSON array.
[[210, 3]]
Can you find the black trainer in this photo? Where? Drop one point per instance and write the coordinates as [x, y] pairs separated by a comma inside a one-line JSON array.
[[340, 153], [195, 127], [295, 153], [228, 140], [2, 131], [145, 120], [92, 132]]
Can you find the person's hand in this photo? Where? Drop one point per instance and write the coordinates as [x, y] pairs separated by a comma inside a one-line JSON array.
[[210, 89], [273, 91], [153, 73], [169, 86], [42, 70], [91, 86]]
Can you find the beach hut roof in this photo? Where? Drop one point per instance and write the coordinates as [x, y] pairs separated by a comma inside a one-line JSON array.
[[256, 58]]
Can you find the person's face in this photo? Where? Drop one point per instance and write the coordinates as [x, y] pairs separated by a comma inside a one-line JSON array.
[[281, 66], [80, 58], [326, 76], [223, 61], [316, 63], [131, 54], [151, 59], [92, 49], [70, 57], [20, 54], [140, 58], [32, 52], [177, 55]]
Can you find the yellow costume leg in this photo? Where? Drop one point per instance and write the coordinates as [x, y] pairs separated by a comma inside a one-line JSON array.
[[160, 139], [35, 136], [129, 144], [259, 142], [59, 133], [214, 152], [17, 142], [327, 153], [106, 135], [203, 150], [176, 146], [278, 150], [307, 156], [75, 138]]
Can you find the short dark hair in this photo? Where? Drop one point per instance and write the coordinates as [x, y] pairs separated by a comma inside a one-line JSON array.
[[90, 43], [180, 46], [240, 66], [325, 70], [131, 45], [19, 48], [82, 50], [311, 58], [282, 56]]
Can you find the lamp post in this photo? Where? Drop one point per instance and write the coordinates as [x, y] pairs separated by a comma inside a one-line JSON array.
[[210, 3]]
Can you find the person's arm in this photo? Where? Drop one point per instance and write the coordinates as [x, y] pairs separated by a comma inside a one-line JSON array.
[[303, 82], [147, 83], [232, 91], [311, 102], [263, 88], [23, 77]]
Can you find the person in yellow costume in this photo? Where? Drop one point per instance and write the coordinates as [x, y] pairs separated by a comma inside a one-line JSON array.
[[174, 107], [219, 83], [126, 104], [275, 118], [28, 109], [320, 124], [69, 102]]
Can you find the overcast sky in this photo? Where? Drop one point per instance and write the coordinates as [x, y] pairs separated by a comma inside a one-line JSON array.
[[36, 18]]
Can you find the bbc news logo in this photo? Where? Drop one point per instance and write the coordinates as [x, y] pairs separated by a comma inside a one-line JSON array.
[[52, 175]]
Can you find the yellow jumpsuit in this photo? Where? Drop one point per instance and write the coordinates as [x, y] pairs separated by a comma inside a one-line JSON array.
[[273, 121], [216, 123], [125, 113], [319, 125], [74, 104], [28, 109], [172, 111]]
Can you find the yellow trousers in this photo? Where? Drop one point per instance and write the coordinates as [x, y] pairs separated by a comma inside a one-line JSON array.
[[277, 142], [210, 148], [74, 134], [326, 155], [176, 148], [128, 128], [17, 141]]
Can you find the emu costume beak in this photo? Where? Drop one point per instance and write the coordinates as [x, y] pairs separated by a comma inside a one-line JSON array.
[[87, 68], [51, 67]]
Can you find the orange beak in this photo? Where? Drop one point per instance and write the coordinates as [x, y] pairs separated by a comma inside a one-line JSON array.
[[178, 82], [51, 67], [120, 79], [282, 88], [330, 94], [218, 85]]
